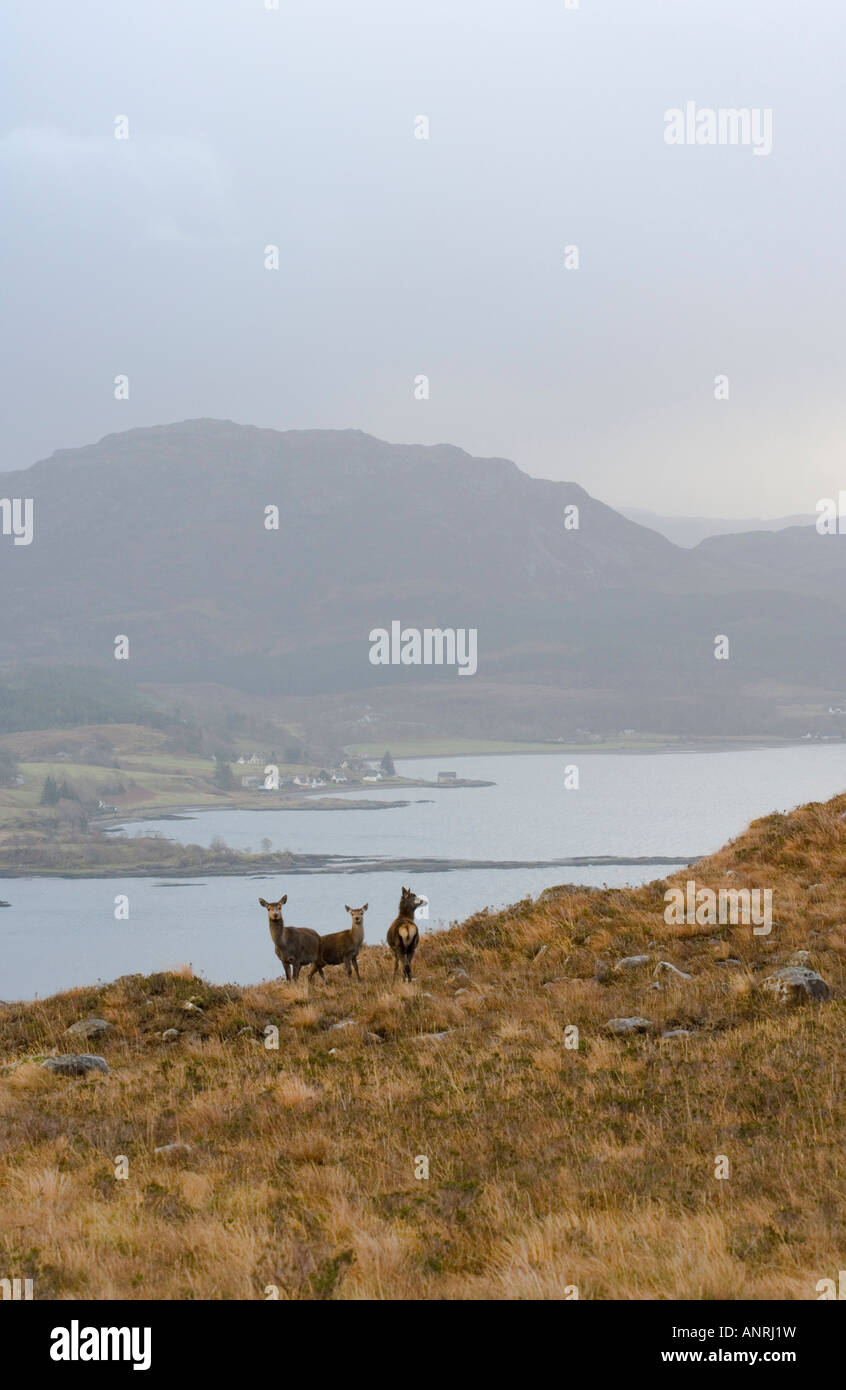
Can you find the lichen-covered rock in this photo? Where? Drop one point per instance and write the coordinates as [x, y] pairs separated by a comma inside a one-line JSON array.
[[621, 1026], [89, 1027], [666, 965], [75, 1064], [793, 983], [632, 962]]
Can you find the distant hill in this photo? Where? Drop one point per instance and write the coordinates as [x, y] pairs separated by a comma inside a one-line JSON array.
[[690, 530], [158, 534]]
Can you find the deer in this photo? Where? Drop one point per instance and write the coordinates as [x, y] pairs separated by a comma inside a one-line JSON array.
[[403, 936], [342, 947], [295, 946]]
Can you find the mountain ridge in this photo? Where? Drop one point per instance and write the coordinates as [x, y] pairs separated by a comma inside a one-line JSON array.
[[158, 533]]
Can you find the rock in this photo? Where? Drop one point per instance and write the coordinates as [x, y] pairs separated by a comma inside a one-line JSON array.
[[557, 980], [191, 1008], [459, 974], [373, 1038], [677, 1033], [632, 962], [342, 1023], [459, 992], [730, 873], [792, 983], [729, 960], [656, 984], [242, 1032], [170, 1035], [668, 965], [75, 1064], [601, 972], [621, 1026], [652, 945], [89, 1027], [429, 1037], [179, 1147], [799, 958]]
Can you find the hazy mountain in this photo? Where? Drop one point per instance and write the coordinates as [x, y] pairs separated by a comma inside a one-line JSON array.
[[159, 535], [690, 530]]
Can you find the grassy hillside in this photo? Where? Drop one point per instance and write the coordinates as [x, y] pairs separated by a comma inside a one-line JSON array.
[[549, 1167]]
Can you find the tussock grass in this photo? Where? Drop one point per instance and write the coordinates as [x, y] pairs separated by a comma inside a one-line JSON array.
[[549, 1167]]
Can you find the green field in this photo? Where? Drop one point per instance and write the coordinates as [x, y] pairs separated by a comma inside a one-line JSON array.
[[153, 778]]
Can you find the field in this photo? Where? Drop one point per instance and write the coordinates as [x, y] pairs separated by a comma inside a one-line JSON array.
[[138, 774], [455, 1138]]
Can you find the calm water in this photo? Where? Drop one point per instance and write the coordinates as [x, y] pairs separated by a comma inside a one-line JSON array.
[[61, 933]]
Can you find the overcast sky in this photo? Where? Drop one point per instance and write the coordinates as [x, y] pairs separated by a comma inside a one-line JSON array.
[[445, 257]]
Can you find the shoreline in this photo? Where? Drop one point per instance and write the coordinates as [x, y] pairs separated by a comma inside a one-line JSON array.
[[340, 864], [719, 745]]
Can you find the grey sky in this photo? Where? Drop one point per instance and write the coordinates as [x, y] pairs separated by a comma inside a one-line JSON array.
[[399, 256]]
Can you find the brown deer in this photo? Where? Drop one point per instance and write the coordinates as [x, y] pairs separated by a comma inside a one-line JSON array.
[[342, 947], [403, 936], [295, 946]]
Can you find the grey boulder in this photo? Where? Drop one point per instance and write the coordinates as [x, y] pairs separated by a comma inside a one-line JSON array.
[[632, 962], [75, 1064], [89, 1028], [621, 1026], [792, 983]]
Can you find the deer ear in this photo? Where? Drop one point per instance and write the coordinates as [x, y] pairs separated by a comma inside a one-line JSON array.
[[347, 907], [366, 905], [283, 900], [262, 901]]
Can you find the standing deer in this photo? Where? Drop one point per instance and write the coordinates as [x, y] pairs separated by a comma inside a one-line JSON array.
[[403, 936], [295, 946], [342, 947]]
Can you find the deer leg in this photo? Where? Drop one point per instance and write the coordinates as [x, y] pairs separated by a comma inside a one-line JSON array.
[[287, 965], [355, 966]]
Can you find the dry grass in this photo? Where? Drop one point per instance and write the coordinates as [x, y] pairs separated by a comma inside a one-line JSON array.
[[549, 1167]]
